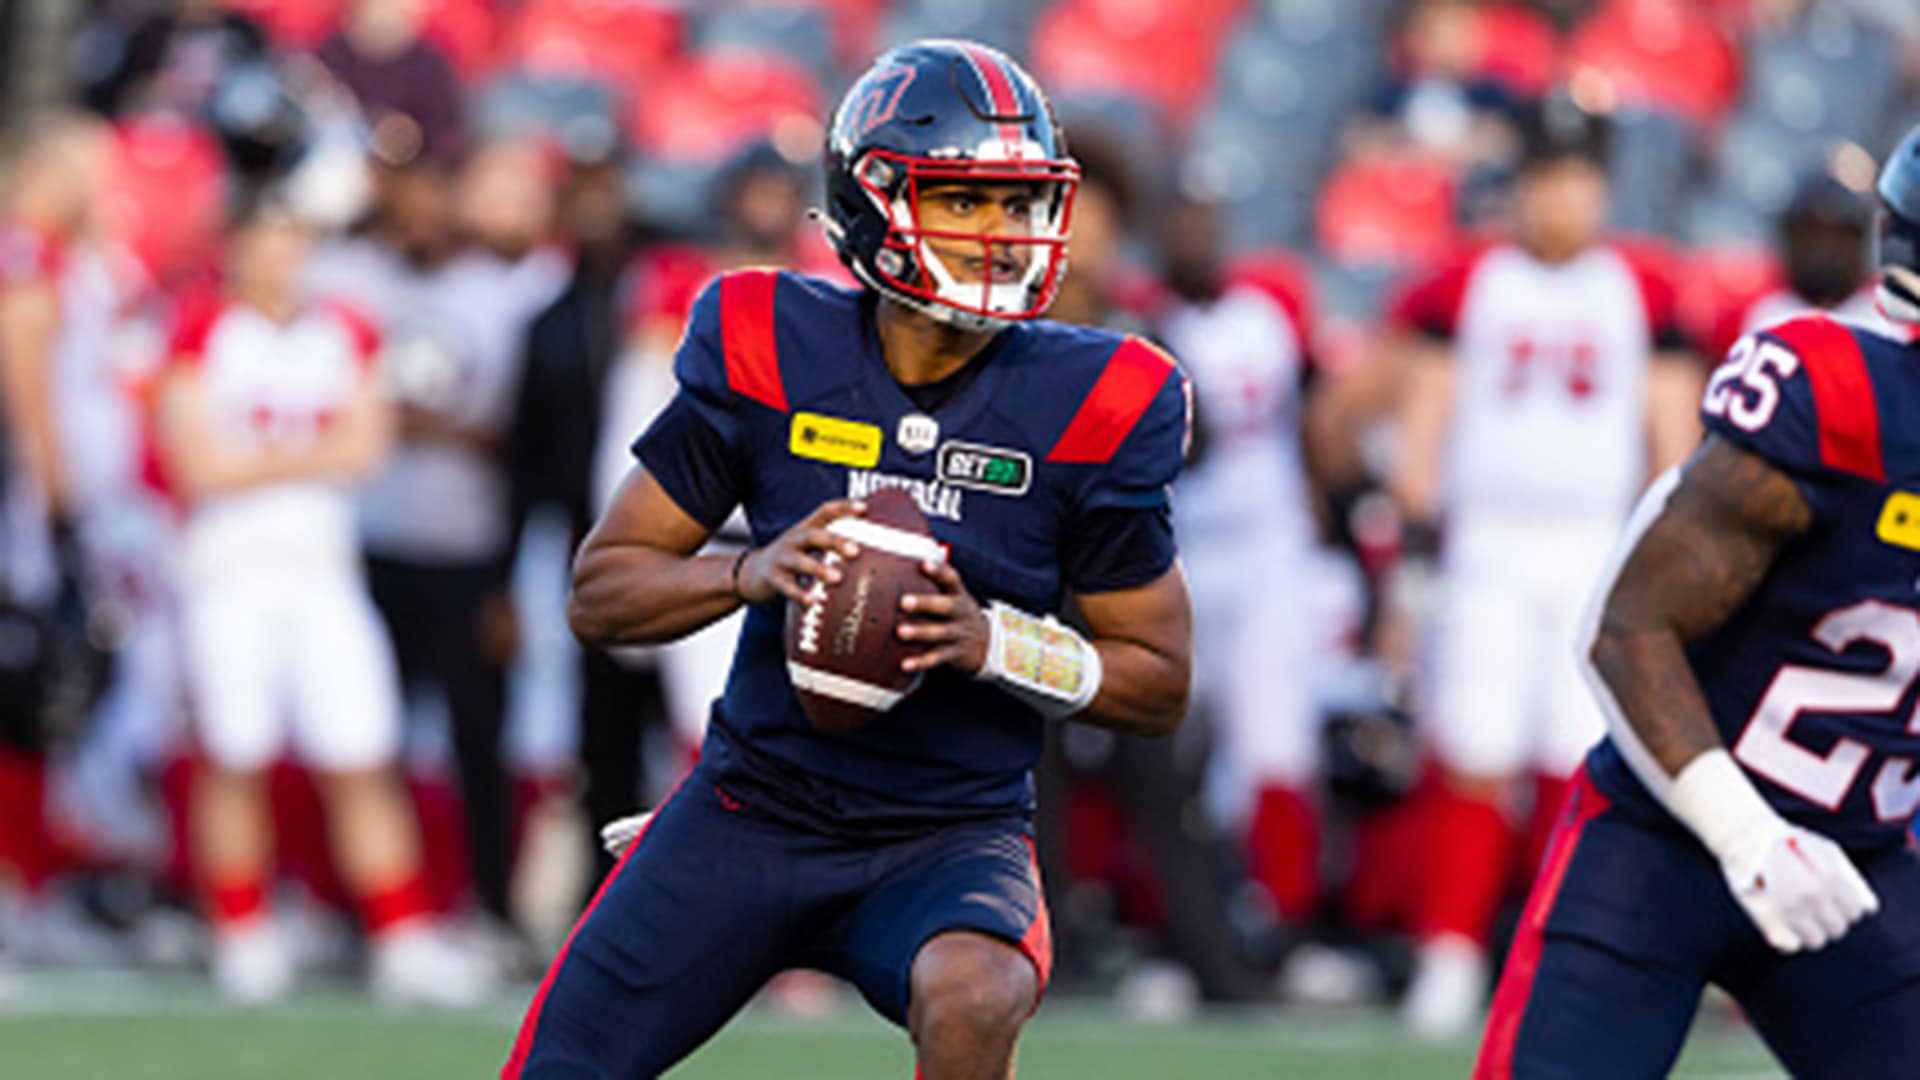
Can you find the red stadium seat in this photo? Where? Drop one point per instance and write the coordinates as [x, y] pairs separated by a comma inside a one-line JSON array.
[[620, 42], [165, 197], [1162, 49], [1518, 47], [300, 24], [469, 32], [705, 107], [1395, 210], [1718, 287], [1662, 55]]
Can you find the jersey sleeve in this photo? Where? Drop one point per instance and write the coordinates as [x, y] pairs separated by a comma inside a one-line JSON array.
[[1798, 394], [1118, 548], [192, 327], [1659, 297], [1430, 306], [1135, 426]]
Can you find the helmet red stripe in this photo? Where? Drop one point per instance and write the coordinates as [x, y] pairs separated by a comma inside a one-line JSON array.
[[999, 88]]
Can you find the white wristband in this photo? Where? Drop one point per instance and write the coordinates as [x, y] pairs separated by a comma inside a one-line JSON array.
[[1715, 799], [1041, 661]]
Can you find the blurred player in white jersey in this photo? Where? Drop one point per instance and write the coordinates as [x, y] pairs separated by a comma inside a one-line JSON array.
[[271, 413], [1246, 522], [1545, 380]]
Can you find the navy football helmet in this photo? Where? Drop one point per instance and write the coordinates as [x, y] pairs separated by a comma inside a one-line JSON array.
[[1898, 248], [940, 112]]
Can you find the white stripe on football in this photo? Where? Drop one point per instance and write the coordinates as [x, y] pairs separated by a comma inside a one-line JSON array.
[[841, 688]]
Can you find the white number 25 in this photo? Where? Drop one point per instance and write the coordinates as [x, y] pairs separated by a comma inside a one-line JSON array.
[[1755, 366], [1825, 779]]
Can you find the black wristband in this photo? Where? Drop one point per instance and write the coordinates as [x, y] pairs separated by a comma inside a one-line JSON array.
[[734, 577]]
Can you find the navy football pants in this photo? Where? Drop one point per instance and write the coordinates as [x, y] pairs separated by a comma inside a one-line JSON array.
[[1629, 921], [716, 898]]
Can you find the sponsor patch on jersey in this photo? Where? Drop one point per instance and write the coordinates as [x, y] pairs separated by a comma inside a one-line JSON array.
[[918, 433], [987, 468], [835, 441], [935, 499], [1900, 521]]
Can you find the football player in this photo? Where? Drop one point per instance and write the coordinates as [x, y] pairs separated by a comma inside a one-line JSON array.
[[1546, 381], [896, 856], [1756, 650], [271, 411]]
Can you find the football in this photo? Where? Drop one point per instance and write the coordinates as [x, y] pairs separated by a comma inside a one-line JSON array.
[[843, 650]]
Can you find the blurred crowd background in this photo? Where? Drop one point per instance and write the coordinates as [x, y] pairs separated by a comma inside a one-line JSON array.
[[523, 196]]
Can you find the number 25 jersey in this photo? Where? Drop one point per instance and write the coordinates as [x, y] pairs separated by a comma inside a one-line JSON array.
[[1044, 470], [1814, 683]]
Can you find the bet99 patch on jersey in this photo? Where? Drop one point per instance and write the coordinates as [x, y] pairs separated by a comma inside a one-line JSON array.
[[985, 468]]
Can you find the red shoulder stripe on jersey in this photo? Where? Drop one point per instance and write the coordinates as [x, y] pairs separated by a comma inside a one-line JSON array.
[[194, 321], [365, 335], [999, 88], [1584, 803], [747, 338], [1433, 304], [1135, 372], [1843, 401]]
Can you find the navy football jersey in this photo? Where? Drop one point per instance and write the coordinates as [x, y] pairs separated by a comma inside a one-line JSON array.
[[1813, 682], [786, 402]]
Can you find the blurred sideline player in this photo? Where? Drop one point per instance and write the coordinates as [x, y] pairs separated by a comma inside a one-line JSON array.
[[453, 271], [66, 453], [1245, 515], [762, 205], [271, 412], [1544, 385], [897, 856], [1823, 249], [1755, 646], [1155, 784]]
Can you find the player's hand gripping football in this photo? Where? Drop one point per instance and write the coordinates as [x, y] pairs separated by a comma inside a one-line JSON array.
[[807, 550], [949, 624], [1797, 886]]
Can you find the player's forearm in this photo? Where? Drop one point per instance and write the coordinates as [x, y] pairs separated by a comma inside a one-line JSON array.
[[1646, 672], [1142, 692], [631, 594]]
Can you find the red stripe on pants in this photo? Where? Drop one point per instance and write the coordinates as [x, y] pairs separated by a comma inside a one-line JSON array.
[[523, 1042], [1584, 803]]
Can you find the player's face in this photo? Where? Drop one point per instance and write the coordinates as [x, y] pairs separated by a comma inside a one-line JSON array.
[[984, 210], [503, 198], [267, 255], [1561, 207]]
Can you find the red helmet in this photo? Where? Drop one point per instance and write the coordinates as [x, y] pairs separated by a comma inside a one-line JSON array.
[[948, 112]]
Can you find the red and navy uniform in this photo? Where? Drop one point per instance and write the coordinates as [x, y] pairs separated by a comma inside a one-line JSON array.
[[1814, 685], [787, 847]]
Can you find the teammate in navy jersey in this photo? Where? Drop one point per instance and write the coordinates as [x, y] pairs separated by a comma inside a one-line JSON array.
[[898, 856], [1757, 650]]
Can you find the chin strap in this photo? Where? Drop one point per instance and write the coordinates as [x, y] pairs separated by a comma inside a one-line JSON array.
[[1041, 661]]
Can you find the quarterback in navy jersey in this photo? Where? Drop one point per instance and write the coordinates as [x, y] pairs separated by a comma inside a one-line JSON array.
[[898, 855], [1757, 649]]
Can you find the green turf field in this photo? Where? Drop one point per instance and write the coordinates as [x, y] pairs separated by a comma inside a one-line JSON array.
[[107, 1029]]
